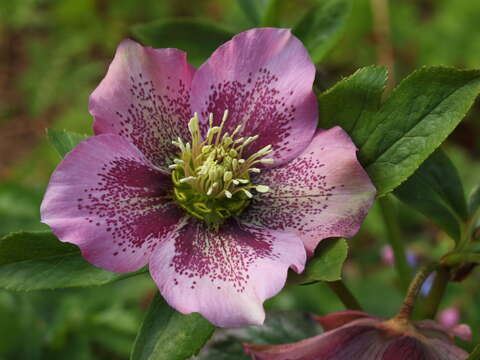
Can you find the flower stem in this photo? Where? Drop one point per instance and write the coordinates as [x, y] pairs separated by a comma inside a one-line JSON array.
[[406, 309], [461, 257], [345, 295], [434, 297], [394, 237], [475, 355], [467, 230]]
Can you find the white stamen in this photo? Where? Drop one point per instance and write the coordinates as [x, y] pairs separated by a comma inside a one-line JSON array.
[[267, 161], [228, 194], [248, 193], [186, 179], [262, 188]]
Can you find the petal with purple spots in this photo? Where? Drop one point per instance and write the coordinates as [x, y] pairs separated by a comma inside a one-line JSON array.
[[145, 97], [264, 78], [225, 275], [109, 200], [324, 192]]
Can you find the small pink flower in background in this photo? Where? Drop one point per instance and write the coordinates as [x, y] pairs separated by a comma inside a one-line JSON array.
[[450, 319], [387, 255], [215, 177], [361, 336]]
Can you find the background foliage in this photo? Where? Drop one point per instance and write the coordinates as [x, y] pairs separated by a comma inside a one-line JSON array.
[[52, 55]]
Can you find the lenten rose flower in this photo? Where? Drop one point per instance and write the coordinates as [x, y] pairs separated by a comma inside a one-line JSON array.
[[215, 177], [361, 336]]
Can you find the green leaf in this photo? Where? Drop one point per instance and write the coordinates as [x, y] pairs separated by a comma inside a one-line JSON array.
[[352, 100], [280, 327], [270, 14], [436, 190], [250, 9], [64, 141], [474, 201], [417, 117], [168, 335], [198, 38], [328, 261], [38, 261], [323, 26]]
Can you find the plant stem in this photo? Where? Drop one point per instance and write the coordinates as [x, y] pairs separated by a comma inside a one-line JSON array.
[[434, 297], [345, 295], [475, 355], [467, 230], [405, 312], [461, 257], [394, 237]]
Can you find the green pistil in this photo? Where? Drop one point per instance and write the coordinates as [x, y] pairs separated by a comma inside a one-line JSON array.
[[211, 178]]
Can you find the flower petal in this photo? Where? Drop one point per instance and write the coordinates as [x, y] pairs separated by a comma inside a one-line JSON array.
[[108, 199], [145, 97], [434, 329], [406, 347], [322, 193], [225, 275], [340, 318], [463, 331], [442, 350], [264, 78], [345, 343]]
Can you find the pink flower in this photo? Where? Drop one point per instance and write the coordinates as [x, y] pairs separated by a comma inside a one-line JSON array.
[[450, 319], [361, 336], [215, 177]]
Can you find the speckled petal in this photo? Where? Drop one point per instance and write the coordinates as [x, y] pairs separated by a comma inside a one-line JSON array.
[[264, 78], [145, 97], [108, 199], [324, 192], [225, 275]]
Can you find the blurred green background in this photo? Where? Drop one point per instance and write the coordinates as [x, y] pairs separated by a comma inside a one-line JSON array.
[[54, 53]]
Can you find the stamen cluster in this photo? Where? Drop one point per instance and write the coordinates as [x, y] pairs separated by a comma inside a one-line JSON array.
[[211, 177]]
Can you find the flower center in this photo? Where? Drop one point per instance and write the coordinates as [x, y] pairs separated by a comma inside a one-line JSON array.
[[210, 175]]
